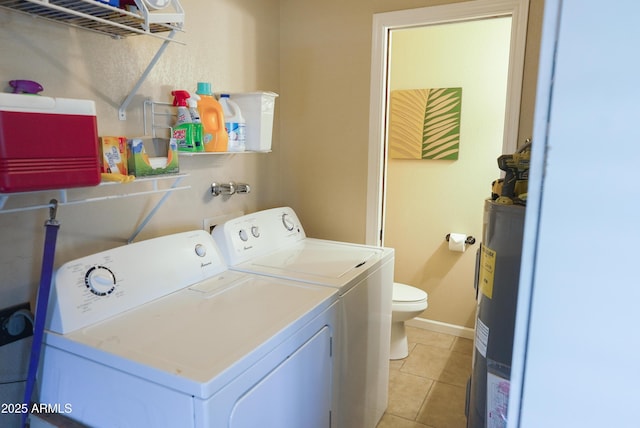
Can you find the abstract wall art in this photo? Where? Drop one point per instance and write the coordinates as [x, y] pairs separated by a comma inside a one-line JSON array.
[[425, 123]]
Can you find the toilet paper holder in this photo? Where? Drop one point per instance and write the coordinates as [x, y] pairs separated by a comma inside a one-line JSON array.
[[469, 241]]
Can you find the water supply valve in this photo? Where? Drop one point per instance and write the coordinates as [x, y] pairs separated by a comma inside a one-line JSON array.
[[229, 188]]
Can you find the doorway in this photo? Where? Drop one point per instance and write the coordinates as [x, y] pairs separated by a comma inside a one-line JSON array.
[[389, 27]]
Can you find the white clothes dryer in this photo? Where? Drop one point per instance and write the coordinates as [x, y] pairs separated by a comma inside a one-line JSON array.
[[273, 243], [160, 334]]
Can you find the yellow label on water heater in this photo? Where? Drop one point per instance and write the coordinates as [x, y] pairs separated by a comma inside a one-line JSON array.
[[487, 270]]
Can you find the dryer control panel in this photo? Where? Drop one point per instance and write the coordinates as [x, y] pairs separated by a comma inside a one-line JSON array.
[[102, 285], [253, 235]]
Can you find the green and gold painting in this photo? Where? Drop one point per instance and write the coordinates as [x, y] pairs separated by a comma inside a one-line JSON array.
[[425, 123]]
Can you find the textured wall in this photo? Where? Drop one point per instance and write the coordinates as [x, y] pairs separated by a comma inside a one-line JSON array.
[[232, 44]]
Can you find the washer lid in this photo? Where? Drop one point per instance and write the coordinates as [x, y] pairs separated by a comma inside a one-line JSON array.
[[407, 293], [199, 338]]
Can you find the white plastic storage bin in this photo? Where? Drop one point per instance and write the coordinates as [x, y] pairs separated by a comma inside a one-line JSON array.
[[257, 109]]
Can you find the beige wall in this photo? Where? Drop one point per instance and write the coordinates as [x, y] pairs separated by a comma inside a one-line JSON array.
[[233, 44], [427, 199], [324, 72], [325, 64]]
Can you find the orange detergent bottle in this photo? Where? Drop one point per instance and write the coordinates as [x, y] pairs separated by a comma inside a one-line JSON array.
[[214, 134]]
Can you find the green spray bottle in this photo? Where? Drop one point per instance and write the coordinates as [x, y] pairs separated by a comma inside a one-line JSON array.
[[183, 130], [197, 123]]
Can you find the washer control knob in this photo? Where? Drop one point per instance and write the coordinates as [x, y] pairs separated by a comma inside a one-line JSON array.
[[287, 222], [201, 250], [100, 280], [255, 231], [243, 235]]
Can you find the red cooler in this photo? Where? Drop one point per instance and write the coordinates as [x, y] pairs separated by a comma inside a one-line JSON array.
[[47, 143]]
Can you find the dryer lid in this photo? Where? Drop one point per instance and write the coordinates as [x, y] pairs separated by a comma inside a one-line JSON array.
[[319, 259], [315, 261]]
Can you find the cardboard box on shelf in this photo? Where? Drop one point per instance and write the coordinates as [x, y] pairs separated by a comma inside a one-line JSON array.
[[113, 155], [152, 156]]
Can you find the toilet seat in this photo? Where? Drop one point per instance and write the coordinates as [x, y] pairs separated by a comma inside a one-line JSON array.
[[403, 293]]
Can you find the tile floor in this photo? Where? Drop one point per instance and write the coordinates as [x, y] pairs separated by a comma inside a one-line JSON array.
[[428, 388]]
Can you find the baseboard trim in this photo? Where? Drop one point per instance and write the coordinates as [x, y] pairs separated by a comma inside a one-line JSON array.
[[442, 327]]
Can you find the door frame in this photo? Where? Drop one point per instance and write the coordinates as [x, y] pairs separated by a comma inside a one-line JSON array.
[[383, 24]]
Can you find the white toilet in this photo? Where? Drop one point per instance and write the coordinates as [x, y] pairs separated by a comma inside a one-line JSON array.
[[408, 303]]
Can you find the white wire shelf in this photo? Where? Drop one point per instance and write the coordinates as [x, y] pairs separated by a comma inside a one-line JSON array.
[[125, 190], [102, 18], [158, 118], [93, 15]]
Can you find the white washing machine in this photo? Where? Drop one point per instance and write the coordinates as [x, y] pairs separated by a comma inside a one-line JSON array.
[[160, 334], [273, 243]]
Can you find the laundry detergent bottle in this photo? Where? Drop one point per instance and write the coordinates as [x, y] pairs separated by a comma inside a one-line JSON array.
[[182, 131], [234, 123], [214, 135]]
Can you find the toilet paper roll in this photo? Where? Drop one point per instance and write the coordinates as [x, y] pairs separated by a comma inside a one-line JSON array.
[[457, 242]]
